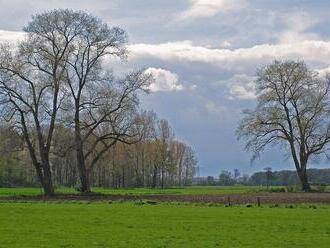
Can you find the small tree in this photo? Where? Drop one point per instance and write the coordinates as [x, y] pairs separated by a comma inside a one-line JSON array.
[[210, 180], [269, 175], [293, 110], [226, 178], [236, 174]]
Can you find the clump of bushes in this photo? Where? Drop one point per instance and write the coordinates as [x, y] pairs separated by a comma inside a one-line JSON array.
[[277, 190], [291, 189], [320, 187], [147, 202]]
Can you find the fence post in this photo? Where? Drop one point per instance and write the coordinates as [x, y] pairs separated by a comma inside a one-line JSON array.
[[258, 201]]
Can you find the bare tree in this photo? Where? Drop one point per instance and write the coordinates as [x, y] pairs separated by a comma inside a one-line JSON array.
[[269, 175], [165, 136], [102, 107], [179, 152], [292, 110], [31, 76], [189, 165], [236, 174]]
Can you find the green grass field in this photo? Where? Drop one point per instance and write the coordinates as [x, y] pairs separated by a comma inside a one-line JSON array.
[[198, 190], [163, 225]]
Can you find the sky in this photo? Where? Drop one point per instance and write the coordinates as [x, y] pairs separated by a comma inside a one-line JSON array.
[[204, 55]]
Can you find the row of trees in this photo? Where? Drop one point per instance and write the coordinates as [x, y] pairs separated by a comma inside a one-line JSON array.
[[288, 178], [157, 160], [317, 177], [58, 95]]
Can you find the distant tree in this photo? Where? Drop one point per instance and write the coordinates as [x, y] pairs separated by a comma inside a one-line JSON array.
[[293, 110], [285, 178], [244, 179], [165, 136], [236, 174], [189, 165], [269, 175], [226, 178], [210, 180]]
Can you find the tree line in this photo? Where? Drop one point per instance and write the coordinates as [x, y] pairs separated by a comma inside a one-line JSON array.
[[157, 160], [317, 178], [73, 119]]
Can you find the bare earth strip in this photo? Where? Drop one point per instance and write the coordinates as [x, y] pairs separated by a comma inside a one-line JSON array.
[[264, 198]]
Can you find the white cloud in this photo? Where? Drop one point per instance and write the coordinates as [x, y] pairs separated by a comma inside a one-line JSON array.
[[237, 61], [317, 51], [11, 36], [225, 44], [297, 27], [164, 80], [323, 72], [239, 86], [214, 108], [300, 21], [309, 50], [206, 8], [243, 91]]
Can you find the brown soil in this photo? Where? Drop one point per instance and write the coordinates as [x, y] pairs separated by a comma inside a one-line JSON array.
[[264, 198]]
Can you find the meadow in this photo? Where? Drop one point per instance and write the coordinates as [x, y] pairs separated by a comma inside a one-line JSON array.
[[193, 190], [87, 224]]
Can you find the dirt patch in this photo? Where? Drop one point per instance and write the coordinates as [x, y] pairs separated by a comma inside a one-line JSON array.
[[264, 198]]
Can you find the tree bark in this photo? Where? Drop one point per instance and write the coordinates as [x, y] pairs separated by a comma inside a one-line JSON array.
[[162, 177], [47, 180], [43, 169], [302, 174], [301, 168], [83, 172], [154, 177]]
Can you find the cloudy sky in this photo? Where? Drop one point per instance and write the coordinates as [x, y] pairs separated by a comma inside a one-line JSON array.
[[204, 54]]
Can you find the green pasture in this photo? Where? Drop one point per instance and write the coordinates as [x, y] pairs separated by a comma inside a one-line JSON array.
[[79, 224], [198, 190]]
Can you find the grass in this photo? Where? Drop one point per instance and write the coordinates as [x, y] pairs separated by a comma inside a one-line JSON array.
[[198, 190], [192, 190], [164, 225]]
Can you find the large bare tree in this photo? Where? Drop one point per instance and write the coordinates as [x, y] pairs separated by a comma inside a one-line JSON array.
[[31, 75], [103, 107], [292, 110]]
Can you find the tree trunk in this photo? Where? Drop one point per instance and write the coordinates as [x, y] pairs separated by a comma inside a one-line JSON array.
[[47, 179], [162, 177], [301, 168], [43, 170], [48, 187], [304, 180], [154, 178], [46, 184], [83, 172], [142, 164]]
